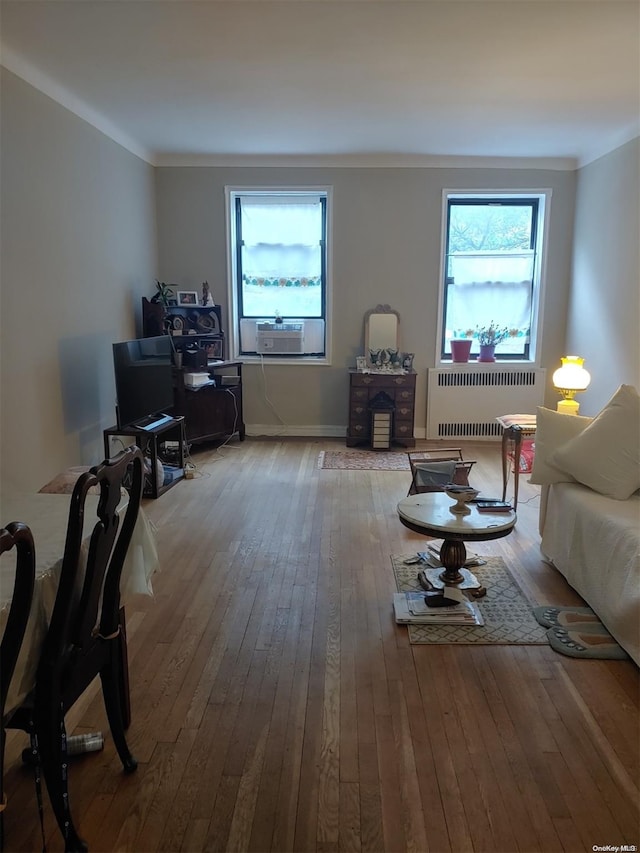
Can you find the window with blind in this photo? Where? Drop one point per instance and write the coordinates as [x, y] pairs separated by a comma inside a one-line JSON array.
[[492, 269], [278, 248]]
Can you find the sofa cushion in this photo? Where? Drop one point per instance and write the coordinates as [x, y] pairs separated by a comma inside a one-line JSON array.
[[605, 456], [552, 430]]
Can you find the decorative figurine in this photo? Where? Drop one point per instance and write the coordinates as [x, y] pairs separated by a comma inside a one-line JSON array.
[[207, 298]]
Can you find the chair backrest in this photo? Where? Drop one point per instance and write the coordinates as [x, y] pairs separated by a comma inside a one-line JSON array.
[[88, 586], [16, 535], [432, 470]]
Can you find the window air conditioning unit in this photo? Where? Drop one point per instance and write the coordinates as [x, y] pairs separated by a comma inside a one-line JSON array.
[[280, 338]]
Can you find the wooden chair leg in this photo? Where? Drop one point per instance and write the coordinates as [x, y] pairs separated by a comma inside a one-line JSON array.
[[2, 799], [111, 677], [124, 672], [49, 724]]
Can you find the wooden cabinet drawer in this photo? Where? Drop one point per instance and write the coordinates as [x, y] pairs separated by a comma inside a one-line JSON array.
[[404, 411], [363, 387], [360, 394]]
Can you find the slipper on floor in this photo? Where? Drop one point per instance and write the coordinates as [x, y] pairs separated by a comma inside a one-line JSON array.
[[582, 644], [565, 617]]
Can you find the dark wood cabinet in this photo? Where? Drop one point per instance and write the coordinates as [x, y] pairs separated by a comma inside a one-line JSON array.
[[399, 388], [214, 410]]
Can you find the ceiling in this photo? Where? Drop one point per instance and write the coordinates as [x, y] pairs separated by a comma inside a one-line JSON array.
[[355, 81]]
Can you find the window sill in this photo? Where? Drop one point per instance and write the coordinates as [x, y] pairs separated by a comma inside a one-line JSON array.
[[489, 365], [305, 360]]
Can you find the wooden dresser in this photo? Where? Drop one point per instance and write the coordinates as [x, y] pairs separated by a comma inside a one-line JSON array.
[[363, 387]]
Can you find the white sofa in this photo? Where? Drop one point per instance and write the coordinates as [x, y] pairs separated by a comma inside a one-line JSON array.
[[589, 470]]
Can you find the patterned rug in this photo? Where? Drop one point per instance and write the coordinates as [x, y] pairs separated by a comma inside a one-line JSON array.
[[508, 615], [379, 460]]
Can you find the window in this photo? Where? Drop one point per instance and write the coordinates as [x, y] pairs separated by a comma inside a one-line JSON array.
[[492, 269], [278, 253]]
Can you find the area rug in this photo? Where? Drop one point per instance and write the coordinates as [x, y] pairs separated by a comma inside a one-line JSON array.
[[508, 615], [578, 633], [379, 460]]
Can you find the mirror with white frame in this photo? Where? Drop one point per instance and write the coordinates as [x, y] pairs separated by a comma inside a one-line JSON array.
[[381, 331]]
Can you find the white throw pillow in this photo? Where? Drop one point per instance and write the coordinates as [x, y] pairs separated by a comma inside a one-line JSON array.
[[552, 430], [606, 455]]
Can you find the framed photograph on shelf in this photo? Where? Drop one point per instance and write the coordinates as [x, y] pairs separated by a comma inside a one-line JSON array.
[[187, 297], [213, 348]]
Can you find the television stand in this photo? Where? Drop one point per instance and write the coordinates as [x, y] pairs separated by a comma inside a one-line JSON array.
[[157, 440]]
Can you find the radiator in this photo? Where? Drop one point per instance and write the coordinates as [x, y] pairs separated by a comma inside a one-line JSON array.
[[464, 402]]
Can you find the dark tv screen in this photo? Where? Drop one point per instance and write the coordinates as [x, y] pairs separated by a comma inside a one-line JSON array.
[[144, 378]]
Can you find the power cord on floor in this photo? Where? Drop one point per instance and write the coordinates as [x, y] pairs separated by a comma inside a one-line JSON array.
[[197, 472], [225, 443], [268, 401]]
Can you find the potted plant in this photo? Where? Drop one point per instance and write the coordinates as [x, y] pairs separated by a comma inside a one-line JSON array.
[[488, 338], [461, 346], [163, 294]]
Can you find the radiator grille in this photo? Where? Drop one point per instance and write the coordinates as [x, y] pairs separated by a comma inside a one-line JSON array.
[[479, 378], [469, 430], [464, 402]]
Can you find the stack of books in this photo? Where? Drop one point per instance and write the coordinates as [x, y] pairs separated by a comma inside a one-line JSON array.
[[410, 608]]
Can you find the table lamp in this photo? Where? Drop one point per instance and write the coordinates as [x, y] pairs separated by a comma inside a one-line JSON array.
[[568, 380]]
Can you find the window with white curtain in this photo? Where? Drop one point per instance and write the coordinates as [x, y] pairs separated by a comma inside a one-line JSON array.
[[278, 245], [492, 269]]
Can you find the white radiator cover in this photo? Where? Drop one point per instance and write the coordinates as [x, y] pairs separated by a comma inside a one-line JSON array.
[[464, 402]]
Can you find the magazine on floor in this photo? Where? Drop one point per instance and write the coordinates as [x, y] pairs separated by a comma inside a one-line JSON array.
[[411, 608]]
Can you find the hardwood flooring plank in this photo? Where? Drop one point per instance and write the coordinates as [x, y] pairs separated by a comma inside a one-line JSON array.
[[152, 830], [349, 832], [290, 778]]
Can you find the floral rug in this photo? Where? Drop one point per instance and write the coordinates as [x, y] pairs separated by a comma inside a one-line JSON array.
[[379, 460], [508, 615]]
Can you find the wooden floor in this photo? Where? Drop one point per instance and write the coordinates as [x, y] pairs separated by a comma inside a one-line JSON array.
[[277, 706]]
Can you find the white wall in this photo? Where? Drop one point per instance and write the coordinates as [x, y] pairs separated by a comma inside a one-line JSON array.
[[78, 250], [386, 248], [604, 309]]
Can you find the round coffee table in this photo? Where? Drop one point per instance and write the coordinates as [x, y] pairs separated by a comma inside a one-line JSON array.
[[429, 514]]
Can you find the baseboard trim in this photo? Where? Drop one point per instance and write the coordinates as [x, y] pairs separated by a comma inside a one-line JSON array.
[[306, 431]]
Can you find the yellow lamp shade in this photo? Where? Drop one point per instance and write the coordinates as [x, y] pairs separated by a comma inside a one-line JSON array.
[[568, 380]]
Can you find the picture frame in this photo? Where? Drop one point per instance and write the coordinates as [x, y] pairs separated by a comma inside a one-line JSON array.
[[187, 297], [213, 348], [361, 362]]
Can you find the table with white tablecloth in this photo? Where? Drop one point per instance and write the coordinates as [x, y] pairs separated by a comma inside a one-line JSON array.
[[47, 516]]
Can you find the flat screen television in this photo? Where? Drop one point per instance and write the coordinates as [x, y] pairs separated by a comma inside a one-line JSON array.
[[144, 379]]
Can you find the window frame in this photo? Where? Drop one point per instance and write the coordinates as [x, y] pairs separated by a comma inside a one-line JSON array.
[[542, 198], [234, 286]]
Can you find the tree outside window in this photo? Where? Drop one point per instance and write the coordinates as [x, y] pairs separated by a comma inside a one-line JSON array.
[[491, 259]]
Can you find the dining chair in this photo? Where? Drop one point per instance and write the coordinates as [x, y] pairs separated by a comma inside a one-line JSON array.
[[15, 535], [86, 635]]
